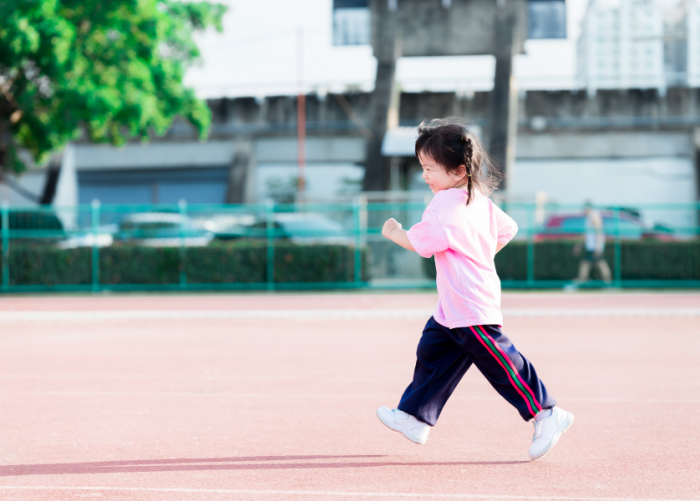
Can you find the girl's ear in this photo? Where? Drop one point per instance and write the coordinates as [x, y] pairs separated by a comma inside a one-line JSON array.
[[460, 172]]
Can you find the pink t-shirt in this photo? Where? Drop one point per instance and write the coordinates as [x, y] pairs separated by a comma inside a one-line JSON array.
[[463, 239]]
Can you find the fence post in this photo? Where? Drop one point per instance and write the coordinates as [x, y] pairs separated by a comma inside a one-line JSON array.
[[95, 222], [363, 225], [358, 242], [5, 208], [530, 246], [270, 237], [618, 250], [182, 206]]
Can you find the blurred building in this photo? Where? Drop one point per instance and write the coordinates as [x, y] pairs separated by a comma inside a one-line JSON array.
[[630, 136], [639, 44], [686, 41], [627, 147], [621, 46], [676, 44], [163, 172]]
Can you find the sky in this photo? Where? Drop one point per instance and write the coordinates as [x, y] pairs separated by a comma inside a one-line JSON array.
[[259, 54]]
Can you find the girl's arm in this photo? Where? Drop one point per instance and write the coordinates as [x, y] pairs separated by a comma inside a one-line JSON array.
[[393, 231]]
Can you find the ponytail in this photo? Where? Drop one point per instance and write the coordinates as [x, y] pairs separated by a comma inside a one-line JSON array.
[[468, 164]]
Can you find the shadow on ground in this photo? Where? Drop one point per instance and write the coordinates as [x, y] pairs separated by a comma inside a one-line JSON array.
[[230, 463]]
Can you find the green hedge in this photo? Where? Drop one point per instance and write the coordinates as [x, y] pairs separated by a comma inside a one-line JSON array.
[[640, 260], [245, 262], [219, 263]]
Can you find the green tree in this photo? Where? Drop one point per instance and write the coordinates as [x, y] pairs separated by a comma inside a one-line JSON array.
[[111, 69]]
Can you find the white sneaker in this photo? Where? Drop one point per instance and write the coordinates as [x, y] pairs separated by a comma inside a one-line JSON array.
[[412, 428], [548, 429]]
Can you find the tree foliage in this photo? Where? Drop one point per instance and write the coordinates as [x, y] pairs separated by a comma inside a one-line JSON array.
[[112, 69]]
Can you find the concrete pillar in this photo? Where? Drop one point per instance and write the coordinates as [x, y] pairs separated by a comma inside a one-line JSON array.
[[504, 98], [395, 174], [386, 52], [240, 171]]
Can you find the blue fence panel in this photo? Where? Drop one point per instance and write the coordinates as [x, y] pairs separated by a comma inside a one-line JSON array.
[[326, 246]]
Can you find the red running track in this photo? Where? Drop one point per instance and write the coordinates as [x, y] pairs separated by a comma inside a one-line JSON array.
[[256, 409]]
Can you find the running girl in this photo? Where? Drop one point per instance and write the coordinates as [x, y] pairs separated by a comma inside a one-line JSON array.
[[464, 230]]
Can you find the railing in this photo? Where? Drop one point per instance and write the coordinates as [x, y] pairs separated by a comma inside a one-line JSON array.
[[322, 246]]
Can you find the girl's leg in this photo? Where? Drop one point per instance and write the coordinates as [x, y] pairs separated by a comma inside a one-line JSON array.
[[510, 373], [604, 270], [584, 270], [440, 366]]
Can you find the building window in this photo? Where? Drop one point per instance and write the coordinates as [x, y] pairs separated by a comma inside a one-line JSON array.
[[546, 19], [351, 22]]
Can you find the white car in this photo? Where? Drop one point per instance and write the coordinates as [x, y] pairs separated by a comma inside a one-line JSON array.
[[309, 228], [162, 229]]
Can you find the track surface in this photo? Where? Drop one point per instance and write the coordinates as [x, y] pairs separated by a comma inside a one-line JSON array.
[[283, 408]]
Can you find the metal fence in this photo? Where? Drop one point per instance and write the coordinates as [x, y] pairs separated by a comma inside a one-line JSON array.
[[322, 246]]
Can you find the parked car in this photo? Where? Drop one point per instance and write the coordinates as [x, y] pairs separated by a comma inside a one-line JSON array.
[[299, 228], [162, 229], [228, 226], [305, 228], [573, 226], [30, 225], [102, 237]]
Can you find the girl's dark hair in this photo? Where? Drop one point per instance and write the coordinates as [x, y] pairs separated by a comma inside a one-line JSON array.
[[451, 144]]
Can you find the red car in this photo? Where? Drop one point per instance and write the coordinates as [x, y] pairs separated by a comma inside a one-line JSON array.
[[573, 226]]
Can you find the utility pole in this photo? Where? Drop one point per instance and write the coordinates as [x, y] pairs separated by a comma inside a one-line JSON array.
[[504, 98], [386, 51], [301, 118]]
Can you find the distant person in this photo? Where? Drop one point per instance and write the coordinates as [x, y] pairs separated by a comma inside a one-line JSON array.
[[464, 230], [594, 245]]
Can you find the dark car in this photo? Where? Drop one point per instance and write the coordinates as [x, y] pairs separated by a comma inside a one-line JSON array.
[[35, 224], [299, 228]]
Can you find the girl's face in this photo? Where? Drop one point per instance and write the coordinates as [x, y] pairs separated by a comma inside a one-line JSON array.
[[438, 178]]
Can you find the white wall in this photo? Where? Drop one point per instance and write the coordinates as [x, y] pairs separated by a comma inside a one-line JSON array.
[[317, 149], [626, 182], [153, 156], [323, 180], [608, 144]]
